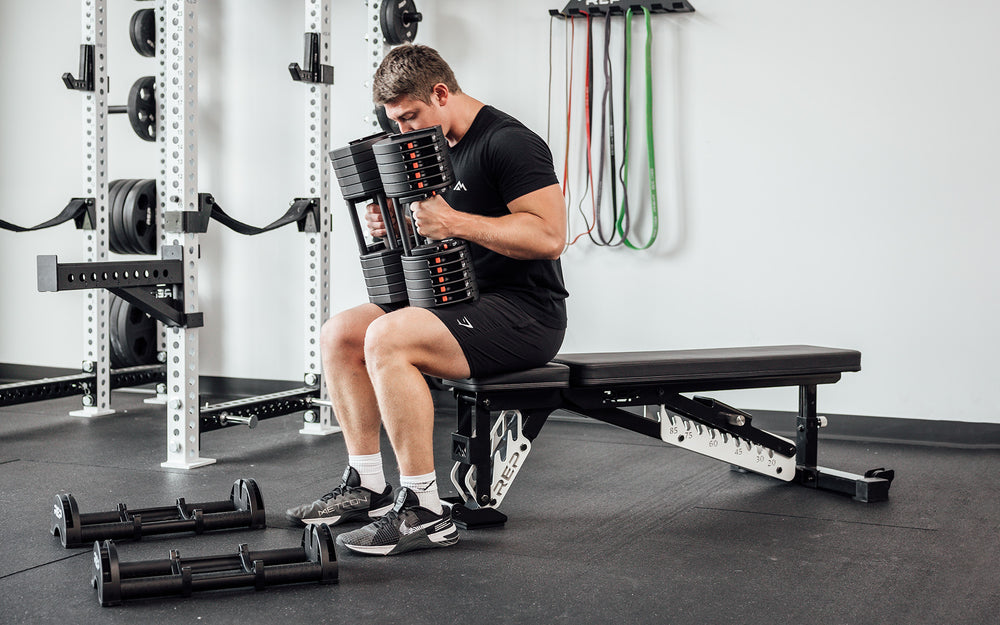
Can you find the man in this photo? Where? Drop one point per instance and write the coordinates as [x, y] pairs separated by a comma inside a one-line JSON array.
[[507, 204]]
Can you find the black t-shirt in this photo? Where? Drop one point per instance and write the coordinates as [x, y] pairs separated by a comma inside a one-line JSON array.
[[497, 161]]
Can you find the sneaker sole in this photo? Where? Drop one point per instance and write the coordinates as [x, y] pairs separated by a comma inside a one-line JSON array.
[[419, 540]]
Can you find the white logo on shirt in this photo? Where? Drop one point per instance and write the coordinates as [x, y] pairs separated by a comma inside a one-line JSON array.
[[460, 186]]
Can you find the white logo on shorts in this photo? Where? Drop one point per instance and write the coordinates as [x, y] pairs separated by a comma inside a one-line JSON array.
[[464, 322]]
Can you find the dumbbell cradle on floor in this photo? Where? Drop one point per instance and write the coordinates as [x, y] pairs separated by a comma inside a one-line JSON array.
[[243, 509], [314, 561]]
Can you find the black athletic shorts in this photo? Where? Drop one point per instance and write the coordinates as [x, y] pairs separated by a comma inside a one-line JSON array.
[[497, 335]]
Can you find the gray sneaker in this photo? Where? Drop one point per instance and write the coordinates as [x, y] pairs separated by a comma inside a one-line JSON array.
[[347, 501], [406, 527]]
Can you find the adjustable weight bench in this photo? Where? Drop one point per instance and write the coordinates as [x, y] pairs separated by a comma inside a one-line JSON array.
[[499, 416]]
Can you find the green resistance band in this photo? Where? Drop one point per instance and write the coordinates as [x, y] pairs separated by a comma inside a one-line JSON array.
[[649, 129]]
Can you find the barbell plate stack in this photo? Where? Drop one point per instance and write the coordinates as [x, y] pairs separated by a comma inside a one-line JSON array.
[[118, 215], [114, 229], [139, 217]]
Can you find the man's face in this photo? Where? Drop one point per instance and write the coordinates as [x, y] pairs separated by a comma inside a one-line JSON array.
[[412, 114]]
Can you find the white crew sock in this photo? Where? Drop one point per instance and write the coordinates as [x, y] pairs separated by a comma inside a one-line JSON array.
[[370, 469], [425, 487]]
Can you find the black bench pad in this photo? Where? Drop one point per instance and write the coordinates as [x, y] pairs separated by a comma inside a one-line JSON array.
[[552, 375], [707, 364], [654, 367]]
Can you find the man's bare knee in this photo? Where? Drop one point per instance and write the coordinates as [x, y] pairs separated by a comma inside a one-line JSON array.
[[383, 342], [343, 335]]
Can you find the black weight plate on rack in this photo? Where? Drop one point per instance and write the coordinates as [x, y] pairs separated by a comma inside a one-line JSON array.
[[140, 216], [142, 108], [118, 359], [140, 336], [120, 322], [119, 216], [142, 32], [116, 233], [124, 211], [353, 169], [396, 29]]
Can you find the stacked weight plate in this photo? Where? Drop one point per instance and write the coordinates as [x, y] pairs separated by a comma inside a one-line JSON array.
[[133, 335], [358, 176], [414, 166], [132, 206]]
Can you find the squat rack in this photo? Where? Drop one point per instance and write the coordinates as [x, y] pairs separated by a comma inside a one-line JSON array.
[[167, 288]]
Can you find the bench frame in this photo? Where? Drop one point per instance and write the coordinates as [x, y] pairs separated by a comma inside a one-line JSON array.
[[526, 401]]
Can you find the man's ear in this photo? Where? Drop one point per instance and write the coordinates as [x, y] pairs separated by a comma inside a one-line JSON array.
[[442, 93]]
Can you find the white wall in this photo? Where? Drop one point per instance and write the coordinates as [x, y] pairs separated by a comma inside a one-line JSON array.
[[824, 176]]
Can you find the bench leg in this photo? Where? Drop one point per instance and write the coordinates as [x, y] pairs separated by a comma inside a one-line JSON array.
[[870, 487]]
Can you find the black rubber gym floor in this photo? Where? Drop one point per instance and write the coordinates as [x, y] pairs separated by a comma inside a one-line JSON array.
[[606, 526]]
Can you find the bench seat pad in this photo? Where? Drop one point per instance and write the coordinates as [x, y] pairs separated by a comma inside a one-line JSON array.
[[707, 364]]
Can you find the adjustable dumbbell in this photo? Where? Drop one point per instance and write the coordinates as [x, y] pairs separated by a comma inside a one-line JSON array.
[[358, 176], [414, 166]]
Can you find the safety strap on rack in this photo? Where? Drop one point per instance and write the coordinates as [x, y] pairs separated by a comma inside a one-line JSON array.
[[299, 212], [79, 209]]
